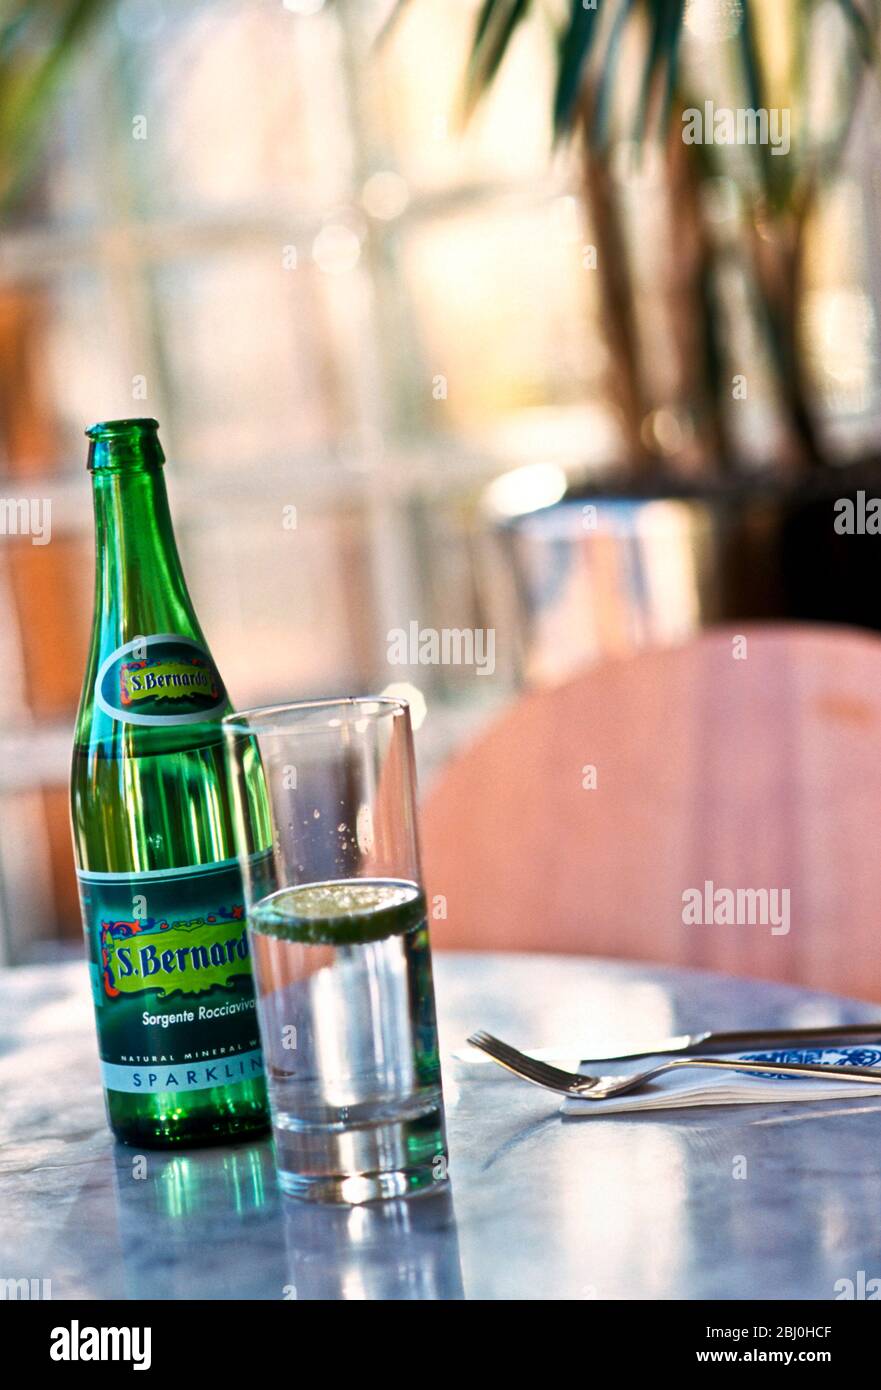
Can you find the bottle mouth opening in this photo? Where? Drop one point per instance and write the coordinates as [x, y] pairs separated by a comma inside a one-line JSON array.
[[113, 429], [124, 446]]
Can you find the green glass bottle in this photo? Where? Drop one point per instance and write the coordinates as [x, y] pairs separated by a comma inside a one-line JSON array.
[[161, 891]]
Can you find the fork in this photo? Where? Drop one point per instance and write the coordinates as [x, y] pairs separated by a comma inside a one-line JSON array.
[[571, 1083]]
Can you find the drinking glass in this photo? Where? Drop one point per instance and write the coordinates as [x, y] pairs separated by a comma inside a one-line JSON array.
[[324, 807]]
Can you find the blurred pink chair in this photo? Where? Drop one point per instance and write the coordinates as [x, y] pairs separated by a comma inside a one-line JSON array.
[[755, 773]]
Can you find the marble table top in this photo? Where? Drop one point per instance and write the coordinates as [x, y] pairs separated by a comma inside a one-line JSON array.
[[764, 1201]]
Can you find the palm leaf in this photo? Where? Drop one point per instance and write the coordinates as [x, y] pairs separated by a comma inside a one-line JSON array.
[[752, 80], [498, 19], [390, 21], [493, 32], [663, 56], [862, 30], [574, 51], [598, 126], [13, 26], [53, 32]]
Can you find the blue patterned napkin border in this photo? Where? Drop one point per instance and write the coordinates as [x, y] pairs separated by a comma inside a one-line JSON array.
[[827, 1056]]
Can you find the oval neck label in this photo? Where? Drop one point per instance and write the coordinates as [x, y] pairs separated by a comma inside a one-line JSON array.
[[163, 679]]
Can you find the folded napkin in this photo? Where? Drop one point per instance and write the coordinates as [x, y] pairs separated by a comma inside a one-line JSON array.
[[685, 1087]]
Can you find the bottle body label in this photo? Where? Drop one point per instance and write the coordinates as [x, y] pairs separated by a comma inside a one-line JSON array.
[[160, 680], [170, 966]]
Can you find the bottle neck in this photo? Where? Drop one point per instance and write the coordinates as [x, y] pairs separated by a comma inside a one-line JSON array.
[[139, 583]]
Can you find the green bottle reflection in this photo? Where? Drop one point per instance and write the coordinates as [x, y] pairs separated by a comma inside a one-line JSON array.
[[161, 892], [197, 1226]]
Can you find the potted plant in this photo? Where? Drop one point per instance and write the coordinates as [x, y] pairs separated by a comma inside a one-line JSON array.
[[721, 101]]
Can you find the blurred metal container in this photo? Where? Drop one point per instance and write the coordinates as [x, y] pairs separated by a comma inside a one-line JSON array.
[[604, 572]]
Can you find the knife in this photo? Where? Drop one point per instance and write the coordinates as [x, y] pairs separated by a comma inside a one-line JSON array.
[[698, 1044]]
